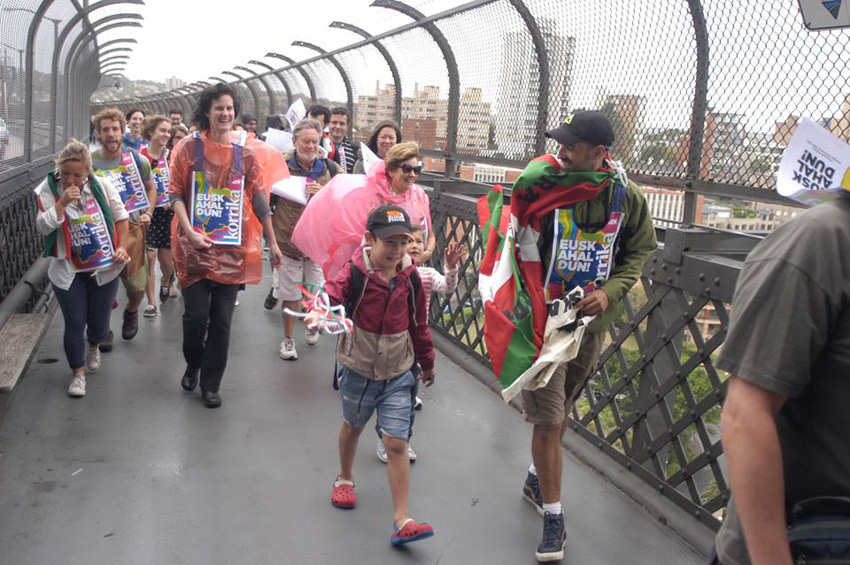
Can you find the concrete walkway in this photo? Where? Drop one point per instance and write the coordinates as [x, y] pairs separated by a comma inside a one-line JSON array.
[[139, 472]]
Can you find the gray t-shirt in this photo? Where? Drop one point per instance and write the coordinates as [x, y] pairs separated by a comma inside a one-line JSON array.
[[790, 335], [99, 163]]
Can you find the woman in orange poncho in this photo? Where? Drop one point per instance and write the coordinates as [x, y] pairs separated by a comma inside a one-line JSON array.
[[220, 196]]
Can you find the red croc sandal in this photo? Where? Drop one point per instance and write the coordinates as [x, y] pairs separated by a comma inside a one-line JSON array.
[[343, 496], [411, 531]]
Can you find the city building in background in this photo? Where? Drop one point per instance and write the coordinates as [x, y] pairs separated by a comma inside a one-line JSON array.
[[517, 107]]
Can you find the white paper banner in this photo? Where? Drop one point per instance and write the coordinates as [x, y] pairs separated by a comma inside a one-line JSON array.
[[814, 165], [369, 157], [296, 113], [293, 188], [279, 139]]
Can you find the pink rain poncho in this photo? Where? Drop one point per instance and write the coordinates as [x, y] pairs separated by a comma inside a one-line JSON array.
[[332, 226]]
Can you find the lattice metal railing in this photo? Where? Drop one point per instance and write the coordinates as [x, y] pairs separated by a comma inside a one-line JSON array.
[[653, 404]]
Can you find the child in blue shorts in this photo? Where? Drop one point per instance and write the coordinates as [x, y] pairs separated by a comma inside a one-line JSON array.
[[390, 333]]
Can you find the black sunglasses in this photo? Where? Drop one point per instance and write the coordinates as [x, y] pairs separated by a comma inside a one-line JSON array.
[[408, 169]]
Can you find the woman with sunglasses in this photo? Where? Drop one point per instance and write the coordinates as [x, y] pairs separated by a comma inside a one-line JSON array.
[[351, 198], [402, 166]]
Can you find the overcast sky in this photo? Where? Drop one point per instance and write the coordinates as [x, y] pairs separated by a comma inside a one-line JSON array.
[[193, 39]]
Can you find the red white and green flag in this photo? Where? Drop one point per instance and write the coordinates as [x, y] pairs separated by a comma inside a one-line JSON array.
[[510, 279]]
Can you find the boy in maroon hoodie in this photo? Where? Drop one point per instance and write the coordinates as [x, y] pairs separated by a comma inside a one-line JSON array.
[[390, 333]]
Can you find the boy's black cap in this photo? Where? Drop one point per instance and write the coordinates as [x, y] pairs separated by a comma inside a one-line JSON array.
[[389, 220], [584, 125]]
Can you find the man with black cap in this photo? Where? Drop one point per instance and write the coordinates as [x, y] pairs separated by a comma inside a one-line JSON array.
[[598, 241]]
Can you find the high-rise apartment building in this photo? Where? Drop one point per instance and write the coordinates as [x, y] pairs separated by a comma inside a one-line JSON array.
[[517, 107]]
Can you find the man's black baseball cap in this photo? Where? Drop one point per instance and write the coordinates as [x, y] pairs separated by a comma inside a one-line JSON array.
[[389, 220], [584, 125]]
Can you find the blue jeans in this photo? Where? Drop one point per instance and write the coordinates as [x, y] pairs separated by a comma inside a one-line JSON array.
[[416, 370], [86, 307], [393, 399]]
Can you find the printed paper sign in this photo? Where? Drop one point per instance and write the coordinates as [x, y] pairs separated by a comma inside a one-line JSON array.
[[217, 212], [128, 182], [91, 248], [296, 113], [815, 164], [162, 178], [825, 14], [293, 188], [279, 139]]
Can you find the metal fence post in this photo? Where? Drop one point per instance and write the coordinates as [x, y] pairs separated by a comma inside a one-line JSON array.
[[82, 40], [699, 109], [60, 42], [349, 94], [266, 85], [28, 102], [279, 76], [451, 67], [292, 64], [543, 67], [390, 63]]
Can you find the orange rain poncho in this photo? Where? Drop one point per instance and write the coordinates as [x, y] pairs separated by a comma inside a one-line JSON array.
[[239, 264]]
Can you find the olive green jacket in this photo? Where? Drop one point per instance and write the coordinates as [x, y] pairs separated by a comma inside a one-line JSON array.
[[635, 244]]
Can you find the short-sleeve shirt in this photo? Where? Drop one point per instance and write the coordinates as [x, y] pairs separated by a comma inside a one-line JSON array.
[[100, 163], [790, 335]]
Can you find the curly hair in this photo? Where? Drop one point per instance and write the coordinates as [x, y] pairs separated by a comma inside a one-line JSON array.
[[151, 123], [209, 95], [113, 114]]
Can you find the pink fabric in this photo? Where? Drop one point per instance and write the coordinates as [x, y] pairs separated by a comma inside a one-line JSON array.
[[331, 228]]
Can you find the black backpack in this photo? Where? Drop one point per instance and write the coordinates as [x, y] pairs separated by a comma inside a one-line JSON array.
[[358, 287]]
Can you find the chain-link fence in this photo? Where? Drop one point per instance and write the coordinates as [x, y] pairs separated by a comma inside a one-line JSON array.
[[703, 94], [50, 66]]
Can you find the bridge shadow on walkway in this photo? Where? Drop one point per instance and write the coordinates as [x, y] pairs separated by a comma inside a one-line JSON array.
[[140, 472]]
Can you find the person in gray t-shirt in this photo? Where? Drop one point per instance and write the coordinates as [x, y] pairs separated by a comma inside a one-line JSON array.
[[787, 410], [109, 125]]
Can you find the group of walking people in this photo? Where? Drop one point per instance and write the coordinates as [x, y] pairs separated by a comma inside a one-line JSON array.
[[134, 201], [199, 202]]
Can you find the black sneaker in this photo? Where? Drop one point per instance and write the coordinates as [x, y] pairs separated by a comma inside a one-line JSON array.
[[105, 346], [551, 548], [271, 301], [531, 492], [130, 327]]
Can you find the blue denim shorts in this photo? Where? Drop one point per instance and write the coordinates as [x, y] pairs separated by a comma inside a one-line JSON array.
[[393, 399]]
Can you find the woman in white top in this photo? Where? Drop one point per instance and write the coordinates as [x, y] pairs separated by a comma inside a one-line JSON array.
[[84, 224]]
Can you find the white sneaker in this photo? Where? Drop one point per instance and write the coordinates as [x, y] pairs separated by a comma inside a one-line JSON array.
[[411, 454], [92, 358], [287, 349], [311, 336], [77, 388], [418, 404]]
